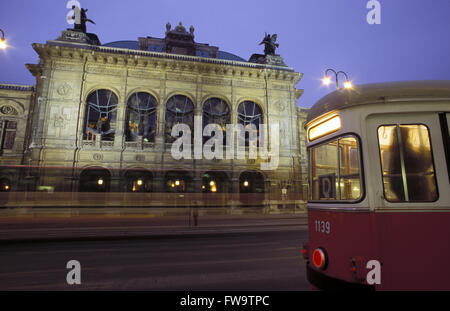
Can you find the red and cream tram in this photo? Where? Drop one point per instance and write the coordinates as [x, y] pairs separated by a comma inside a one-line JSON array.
[[379, 205]]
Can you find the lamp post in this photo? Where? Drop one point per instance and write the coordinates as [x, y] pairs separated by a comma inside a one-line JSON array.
[[326, 80], [2, 40]]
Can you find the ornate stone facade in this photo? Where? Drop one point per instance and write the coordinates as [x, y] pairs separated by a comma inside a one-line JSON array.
[[54, 130]]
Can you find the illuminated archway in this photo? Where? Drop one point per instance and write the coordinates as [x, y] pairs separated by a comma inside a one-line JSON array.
[[95, 180]]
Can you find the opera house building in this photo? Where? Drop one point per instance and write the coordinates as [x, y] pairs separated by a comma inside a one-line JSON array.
[[100, 119]]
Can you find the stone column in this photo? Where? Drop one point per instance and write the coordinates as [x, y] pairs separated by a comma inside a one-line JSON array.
[[235, 188], [115, 184], [160, 122], [158, 181], [197, 180], [161, 116], [120, 125]]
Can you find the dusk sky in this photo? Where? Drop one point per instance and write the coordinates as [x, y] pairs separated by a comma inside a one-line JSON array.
[[411, 43]]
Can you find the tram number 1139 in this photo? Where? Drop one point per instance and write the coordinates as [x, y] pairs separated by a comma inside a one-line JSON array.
[[322, 226]]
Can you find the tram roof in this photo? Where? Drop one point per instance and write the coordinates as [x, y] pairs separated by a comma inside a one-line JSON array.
[[378, 92]]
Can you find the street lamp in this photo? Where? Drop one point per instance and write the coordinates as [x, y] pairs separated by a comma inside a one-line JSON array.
[[2, 40], [326, 80]]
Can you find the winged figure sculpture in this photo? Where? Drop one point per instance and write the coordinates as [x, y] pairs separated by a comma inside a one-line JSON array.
[[269, 44]]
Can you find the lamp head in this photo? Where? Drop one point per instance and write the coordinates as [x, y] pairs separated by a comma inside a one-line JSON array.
[[3, 44], [326, 80]]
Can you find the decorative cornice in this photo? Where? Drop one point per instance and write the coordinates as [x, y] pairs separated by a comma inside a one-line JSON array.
[[176, 57], [16, 87]]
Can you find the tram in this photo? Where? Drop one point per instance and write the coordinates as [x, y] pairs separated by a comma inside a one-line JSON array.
[[379, 202]]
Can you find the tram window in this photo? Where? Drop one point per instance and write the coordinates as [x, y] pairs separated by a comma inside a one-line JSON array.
[[336, 175], [407, 163], [349, 169]]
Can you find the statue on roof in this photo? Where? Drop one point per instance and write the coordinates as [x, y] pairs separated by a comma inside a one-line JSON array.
[[180, 28], [81, 19], [269, 44]]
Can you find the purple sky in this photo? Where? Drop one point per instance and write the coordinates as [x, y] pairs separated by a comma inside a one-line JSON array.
[[412, 42]]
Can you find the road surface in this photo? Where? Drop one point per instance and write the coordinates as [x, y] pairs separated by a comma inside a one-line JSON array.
[[255, 261]]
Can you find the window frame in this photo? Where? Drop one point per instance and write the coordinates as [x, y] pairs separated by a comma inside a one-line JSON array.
[[5, 129], [242, 118], [191, 113], [211, 116], [404, 175], [113, 109], [444, 120], [360, 163], [141, 112]]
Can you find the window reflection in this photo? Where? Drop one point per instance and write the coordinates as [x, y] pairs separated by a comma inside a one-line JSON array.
[[179, 110], [407, 163], [141, 117], [101, 113], [350, 185], [250, 116], [216, 111], [336, 175]]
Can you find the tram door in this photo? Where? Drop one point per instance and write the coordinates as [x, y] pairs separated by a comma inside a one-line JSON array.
[[408, 186]]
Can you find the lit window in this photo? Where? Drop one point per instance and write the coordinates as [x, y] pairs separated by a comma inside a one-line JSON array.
[[325, 127], [216, 111], [5, 185], [179, 110], [249, 115], [407, 163], [136, 180], [141, 117], [178, 181], [251, 182], [216, 182], [335, 170], [94, 180], [101, 113]]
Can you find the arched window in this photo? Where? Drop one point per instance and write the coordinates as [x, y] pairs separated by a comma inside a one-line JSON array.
[[179, 110], [216, 182], [101, 114], [8, 130], [138, 180], [95, 180], [141, 117], [216, 111], [250, 113], [178, 181], [5, 185], [251, 182]]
